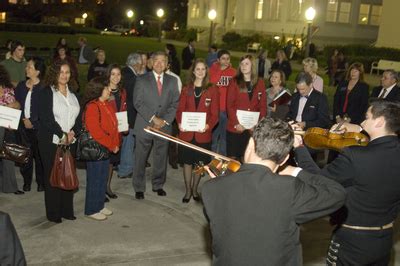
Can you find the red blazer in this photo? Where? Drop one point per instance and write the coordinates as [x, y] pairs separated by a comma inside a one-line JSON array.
[[123, 102], [103, 126], [209, 103], [240, 101]]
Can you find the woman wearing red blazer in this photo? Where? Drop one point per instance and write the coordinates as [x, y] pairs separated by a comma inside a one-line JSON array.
[[247, 93], [102, 124], [118, 104], [197, 96]]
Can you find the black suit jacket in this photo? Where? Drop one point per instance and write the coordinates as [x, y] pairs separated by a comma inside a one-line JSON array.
[[11, 252], [371, 177], [254, 214], [129, 80], [187, 57], [394, 94], [357, 101], [315, 112]]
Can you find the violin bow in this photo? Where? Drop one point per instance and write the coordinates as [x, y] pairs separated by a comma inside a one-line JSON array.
[[165, 136]]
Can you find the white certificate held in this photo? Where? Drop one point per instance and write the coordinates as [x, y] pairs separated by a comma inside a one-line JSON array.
[[193, 121], [9, 117], [122, 118], [247, 119]]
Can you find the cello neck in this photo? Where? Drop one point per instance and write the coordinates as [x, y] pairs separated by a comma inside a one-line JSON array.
[[163, 135]]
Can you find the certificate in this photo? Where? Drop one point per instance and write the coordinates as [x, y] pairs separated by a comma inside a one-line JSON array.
[[9, 117], [193, 121], [247, 119], [122, 118]]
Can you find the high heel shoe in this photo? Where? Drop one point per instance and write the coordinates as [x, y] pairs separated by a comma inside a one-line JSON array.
[[197, 198], [111, 195], [185, 199]]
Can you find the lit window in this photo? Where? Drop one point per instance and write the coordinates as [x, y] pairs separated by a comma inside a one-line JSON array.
[[259, 9], [376, 13], [273, 9], [2, 17], [195, 11], [80, 21], [364, 14], [338, 11], [298, 8]]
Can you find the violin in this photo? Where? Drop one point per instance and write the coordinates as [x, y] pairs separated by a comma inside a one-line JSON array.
[[219, 165], [321, 138]]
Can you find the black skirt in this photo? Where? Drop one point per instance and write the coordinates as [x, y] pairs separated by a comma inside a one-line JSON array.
[[191, 156], [236, 143]]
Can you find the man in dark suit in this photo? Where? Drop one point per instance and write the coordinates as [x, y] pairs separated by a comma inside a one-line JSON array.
[[129, 73], [309, 107], [364, 235], [188, 55], [388, 89], [255, 213], [156, 98], [86, 53], [11, 252]]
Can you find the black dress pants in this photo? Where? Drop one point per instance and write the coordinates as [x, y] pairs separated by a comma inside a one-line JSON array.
[[360, 247], [28, 137], [58, 202]]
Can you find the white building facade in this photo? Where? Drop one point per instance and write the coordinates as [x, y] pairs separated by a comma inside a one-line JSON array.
[[336, 21]]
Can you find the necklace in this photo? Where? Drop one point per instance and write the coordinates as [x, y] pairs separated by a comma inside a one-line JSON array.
[[197, 96]]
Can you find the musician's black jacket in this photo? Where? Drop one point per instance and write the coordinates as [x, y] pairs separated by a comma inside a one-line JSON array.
[[371, 175], [255, 214]]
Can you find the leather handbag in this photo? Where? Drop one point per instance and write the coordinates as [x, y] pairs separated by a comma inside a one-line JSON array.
[[63, 174], [88, 149], [15, 152]]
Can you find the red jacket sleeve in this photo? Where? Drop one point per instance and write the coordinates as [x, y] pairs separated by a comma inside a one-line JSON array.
[[263, 100], [231, 104], [92, 123], [214, 117], [182, 105]]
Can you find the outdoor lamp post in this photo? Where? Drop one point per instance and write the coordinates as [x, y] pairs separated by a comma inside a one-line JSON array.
[[310, 15], [130, 14], [84, 16], [160, 14], [212, 14]]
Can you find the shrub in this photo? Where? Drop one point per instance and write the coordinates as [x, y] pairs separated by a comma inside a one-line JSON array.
[[30, 27]]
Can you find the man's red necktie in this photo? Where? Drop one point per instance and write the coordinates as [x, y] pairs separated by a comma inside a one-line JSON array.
[[159, 85]]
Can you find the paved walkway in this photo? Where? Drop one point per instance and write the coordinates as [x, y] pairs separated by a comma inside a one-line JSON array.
[[155, 231]]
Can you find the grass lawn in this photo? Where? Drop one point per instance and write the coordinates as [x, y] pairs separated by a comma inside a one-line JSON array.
[[117, 49]]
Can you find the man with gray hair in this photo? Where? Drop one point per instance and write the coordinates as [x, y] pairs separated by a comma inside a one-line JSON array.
[[255, 213], [129, 74], [388, 89]]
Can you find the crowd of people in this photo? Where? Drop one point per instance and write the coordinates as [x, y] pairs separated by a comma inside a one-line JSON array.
[[259, 196]]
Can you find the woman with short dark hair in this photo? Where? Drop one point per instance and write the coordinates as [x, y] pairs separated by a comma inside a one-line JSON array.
[[102, 124], [27, 94]]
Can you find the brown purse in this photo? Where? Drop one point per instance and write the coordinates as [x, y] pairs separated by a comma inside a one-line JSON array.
[[15, 152], [63, 174]]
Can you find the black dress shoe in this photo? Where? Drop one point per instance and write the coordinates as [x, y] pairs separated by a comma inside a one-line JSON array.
[[111, 195], [197, 198], [26, 187], [139, 195], [106, 199], [19, 192], [160, 192], [40, 188], [186, 200], [174, 165], [148, 164], [70, 218], [57, 221]]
